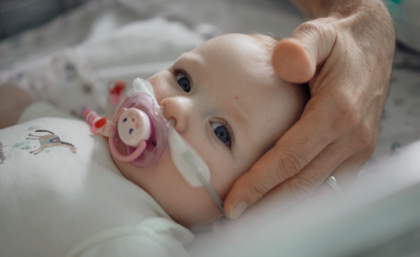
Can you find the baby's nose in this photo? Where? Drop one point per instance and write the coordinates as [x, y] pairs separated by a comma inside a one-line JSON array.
[[177, 108]]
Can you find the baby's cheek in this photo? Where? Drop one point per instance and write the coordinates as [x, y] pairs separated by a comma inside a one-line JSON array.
[[223, 176]]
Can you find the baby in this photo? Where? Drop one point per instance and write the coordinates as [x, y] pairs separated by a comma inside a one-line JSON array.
[[227, 103]]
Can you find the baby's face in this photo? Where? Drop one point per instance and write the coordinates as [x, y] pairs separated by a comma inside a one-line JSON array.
[[230, 106]]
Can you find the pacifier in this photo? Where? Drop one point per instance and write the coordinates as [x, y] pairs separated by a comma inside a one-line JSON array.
[[134, 126], [141, 129], [145, 133], [138, 125]]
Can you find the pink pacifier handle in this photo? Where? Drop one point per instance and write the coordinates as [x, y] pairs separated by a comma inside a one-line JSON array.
[[118, 155], [126, 158]]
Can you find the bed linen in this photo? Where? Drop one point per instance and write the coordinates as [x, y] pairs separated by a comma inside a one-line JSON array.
[[71, 60], [100, 45], [80, 76]]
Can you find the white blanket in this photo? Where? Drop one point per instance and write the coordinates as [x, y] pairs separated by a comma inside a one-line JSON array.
[[107, 43], [80, 75]]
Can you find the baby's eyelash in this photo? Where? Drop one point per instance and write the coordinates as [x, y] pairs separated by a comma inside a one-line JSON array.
[[181, 71], [183, 79], [226, 124]]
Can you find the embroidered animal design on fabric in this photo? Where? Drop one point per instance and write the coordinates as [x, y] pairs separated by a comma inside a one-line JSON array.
[[47, 141]]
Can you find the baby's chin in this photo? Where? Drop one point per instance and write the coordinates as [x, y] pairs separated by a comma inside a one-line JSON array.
[[187, 205]]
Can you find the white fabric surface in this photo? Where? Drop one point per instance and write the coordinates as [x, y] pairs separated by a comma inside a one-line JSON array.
[[78, 76], [112, 45], [57, 200], [334, 226], [97, 24]]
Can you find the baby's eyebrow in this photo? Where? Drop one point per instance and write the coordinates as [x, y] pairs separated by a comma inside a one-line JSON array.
[[194, 59], [234, 110]]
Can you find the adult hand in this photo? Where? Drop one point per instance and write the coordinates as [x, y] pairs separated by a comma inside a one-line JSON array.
[[13, 101], [346, 58]]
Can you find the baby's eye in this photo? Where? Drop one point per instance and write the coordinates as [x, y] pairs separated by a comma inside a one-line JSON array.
[[221, 132], [183, 82]]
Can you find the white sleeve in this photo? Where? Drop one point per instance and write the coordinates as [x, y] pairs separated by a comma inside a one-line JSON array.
[[154, 236], [132, 246], [42, 109]]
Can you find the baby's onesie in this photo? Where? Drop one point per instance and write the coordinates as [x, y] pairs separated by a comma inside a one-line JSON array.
[[62, 195]]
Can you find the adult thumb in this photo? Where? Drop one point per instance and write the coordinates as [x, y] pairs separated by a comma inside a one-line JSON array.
[[295, 59]]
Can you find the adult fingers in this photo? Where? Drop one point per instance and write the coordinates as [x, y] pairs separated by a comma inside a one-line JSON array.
[[297, 147], [345, 174], [295, 59], [342, 158], [295, 189]]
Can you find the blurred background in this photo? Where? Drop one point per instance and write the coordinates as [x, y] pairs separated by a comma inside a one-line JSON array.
[[67, 52], [17, 16]]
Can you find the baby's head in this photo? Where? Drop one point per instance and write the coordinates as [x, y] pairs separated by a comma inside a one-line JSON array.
[[231, 107]]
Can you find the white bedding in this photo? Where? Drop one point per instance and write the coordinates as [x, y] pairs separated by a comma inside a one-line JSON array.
[[80, 75], [112, 43], [71, 60]]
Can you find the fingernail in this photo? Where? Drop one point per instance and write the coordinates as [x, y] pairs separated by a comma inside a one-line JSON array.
[[237, 210]]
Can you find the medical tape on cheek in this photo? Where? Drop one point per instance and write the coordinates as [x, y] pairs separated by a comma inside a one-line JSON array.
[[190, 160], [191, 166]]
